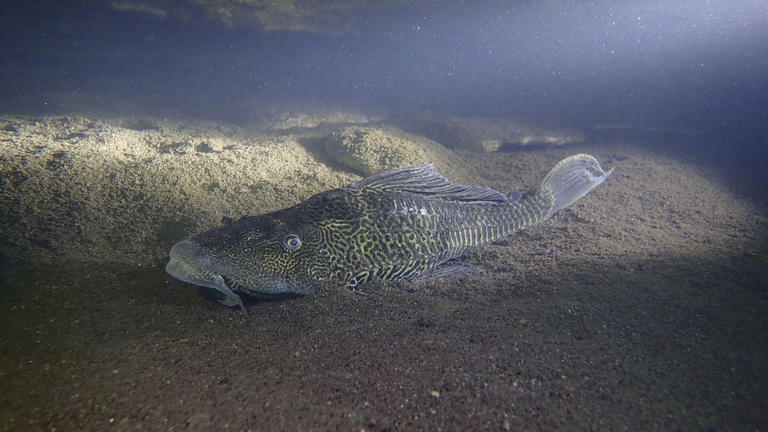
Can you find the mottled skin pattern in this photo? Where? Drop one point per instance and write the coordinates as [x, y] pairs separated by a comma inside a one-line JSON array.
[[394, 226], [352, 235]]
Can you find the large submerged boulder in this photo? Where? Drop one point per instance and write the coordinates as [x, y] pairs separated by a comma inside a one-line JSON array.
[[369, 150], [301, 116], [490, 134], [124, 190]]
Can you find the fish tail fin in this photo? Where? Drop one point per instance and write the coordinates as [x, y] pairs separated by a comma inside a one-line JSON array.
[[571, 179]]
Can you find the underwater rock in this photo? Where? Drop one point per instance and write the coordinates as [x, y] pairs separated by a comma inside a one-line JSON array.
[[369, 150], [300, 120], [481, 134], [105, 190], [299, 116]]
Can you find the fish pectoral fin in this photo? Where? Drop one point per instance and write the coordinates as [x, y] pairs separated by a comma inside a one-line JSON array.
[[360, 278], [224, 295]]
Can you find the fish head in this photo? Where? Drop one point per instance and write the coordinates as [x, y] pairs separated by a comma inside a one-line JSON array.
[[259, 256]]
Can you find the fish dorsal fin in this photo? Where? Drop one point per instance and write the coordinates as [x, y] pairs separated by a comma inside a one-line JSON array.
[[426, 180]]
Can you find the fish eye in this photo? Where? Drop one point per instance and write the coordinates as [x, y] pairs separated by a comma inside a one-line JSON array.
[[292, 242]]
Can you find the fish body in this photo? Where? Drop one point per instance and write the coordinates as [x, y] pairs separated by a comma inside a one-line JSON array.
[[398, 225]]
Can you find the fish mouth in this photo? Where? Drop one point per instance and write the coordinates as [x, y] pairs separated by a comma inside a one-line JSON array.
[[191, 264], [187, 265]]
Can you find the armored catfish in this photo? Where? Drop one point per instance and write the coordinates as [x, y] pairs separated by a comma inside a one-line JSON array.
[[398, 225]]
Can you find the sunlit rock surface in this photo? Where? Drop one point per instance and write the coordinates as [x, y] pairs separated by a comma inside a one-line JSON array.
[[125, 189], [368, 150]]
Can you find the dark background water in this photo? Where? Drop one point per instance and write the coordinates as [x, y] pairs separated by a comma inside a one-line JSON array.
[[685, 65]]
